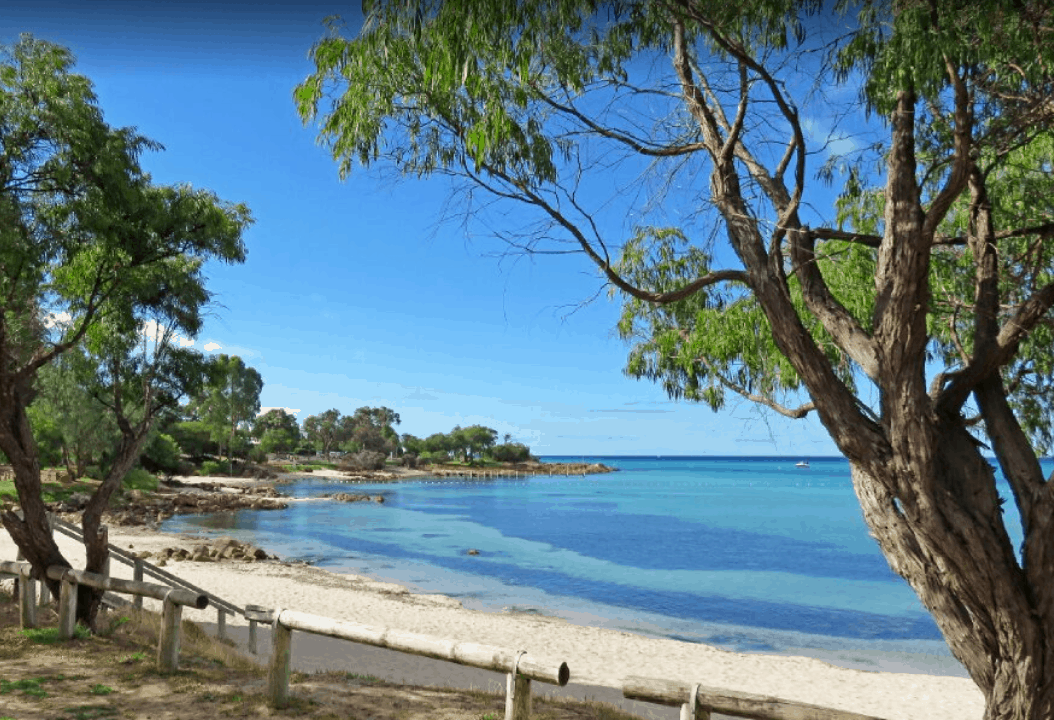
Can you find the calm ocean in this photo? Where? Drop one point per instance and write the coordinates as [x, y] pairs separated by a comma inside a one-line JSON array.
[[750, 554]]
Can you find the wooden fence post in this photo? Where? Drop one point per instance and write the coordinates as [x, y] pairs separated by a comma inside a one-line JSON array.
[[281, 655], [517, 693], [168, 643], [255, 614], [16, 595], [252, 636], [137, 575], [221, 623], [690, 710], [27, 599], [67, 608]]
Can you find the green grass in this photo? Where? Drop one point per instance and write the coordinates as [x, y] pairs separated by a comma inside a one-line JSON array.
[[50, 636], [133, 658], [301, 467], [29, 687], [53, 491], [100, 689]]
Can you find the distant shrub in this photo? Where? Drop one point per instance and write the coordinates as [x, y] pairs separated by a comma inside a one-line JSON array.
[[511, 452], [193, 438], [364, 460], [257, 454], [213, 467], [162, 455], [139, 479], [409, 460]]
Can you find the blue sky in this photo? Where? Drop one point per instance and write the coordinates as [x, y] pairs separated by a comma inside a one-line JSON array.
[[354, 293]]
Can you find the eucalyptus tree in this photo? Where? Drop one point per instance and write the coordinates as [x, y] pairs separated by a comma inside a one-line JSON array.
[[686, 147], [229, 399], [277, 430], [373, 429], [138, 372], [89, 249], [328, 429]]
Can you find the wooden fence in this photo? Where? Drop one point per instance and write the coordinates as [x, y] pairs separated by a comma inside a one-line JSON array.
[[141, 568], [520, 668], [172, 600], [698, 701]]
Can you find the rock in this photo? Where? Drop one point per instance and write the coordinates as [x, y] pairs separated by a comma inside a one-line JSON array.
[[472, 551], [260, 554], [77, 501], [225, 542], [162, 562], [378, 498]]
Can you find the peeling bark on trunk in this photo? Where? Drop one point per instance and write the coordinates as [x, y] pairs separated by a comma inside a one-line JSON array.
[[31, 533], [946, 537], [95, 540]]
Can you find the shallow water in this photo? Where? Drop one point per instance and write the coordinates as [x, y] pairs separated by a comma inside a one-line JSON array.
[[750, 554]]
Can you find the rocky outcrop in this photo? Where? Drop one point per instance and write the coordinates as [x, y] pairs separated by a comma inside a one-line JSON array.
[[219, 550], [143, 508], [350, 498], [520, 469]]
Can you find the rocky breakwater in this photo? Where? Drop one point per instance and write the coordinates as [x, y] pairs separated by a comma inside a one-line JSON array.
[[570, 468], [219, 550], [142, 508], [350, 498]]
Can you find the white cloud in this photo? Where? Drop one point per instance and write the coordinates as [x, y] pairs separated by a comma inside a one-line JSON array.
[[212, 345], [153, 331], [59, 319], [264, 410]]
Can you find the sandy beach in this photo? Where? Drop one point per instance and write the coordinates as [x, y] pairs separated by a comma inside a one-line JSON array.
[[596, 656]]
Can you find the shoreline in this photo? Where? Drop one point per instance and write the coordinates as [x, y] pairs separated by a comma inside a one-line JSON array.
[[597, 656]]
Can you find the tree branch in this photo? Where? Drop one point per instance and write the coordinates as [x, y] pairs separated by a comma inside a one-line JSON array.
[[958, 177], [793, 413]]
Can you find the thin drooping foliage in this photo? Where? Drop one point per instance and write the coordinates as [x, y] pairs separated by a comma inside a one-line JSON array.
[[849, 202]]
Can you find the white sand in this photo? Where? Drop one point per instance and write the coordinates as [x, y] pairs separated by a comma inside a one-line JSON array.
[[596, 656]]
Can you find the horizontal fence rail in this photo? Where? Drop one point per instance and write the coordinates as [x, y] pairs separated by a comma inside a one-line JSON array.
[[142, 568], [172, 601], [164, 593], [698, 701], [520, 668]]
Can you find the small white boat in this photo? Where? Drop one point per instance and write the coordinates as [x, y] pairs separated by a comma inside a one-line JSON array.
[[802, 464]]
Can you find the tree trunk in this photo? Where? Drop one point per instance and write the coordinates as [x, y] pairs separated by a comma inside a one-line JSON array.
[[95, 541], [31, 532], [945, 535]]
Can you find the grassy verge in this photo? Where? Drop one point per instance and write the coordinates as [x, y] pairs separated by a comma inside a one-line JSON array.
[[113, 674], [53, 491], [304, 467]]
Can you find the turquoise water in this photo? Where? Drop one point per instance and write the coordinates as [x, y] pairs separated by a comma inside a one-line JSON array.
[[750, 554]]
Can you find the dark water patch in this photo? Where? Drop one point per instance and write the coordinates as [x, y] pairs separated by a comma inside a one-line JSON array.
[[633, 540], [708, 608]]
